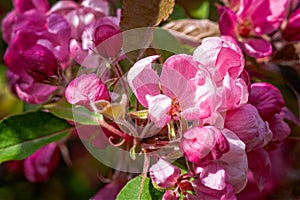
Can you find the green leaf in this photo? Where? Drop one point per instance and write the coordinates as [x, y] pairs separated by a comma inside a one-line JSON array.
[[155, 193], [64, 110], [166, 44], [22, 135], [132, 189]]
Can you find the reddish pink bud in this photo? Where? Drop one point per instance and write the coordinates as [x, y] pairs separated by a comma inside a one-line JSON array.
[[107, 38], [86, 89], [41, 64], [41, 164]]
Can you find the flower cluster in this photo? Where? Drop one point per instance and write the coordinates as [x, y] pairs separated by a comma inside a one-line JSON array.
[[43, 42], [230, 122], [254, 23], [201, 110]]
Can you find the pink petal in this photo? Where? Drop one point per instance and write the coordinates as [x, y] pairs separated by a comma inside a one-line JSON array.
[[258, 48], [230, 61], [267, 99], [24, 5], [213, 177], [267, 16], [279, 127], [175, 76], [143, 79], [234, 93], [184, 64], [227, 21], [198, 142], [246, 123], [101, 6], [260, 165], [208, 51], [7, 25], [158, 107], [235, 161], [291, 31], [171, 195], [164, 174], [109, 191], [41, 63], [86, 89]]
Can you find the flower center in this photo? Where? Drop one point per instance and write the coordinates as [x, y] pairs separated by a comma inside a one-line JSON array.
[[175, 109], [245, 28]]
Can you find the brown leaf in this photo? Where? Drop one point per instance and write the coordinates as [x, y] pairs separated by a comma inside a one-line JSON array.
[[192, 31], [139, 14]]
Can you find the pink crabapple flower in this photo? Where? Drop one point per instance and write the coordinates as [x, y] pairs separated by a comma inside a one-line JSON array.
[[223, 58], [86, 90], [292, 29], [251, 22], [178, 97], [206, 83], [41, 164]]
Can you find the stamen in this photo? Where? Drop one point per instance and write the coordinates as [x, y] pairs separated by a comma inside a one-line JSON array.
[[175, 109]]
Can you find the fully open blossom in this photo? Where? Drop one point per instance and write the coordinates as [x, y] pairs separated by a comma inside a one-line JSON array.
[[251, 22], [178, 98], [206, 83], [86, 90]]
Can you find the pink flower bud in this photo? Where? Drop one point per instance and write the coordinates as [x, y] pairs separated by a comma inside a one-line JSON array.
[[41, 164], [41, 64], [164, 174], [86, 89], [107, 38]]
